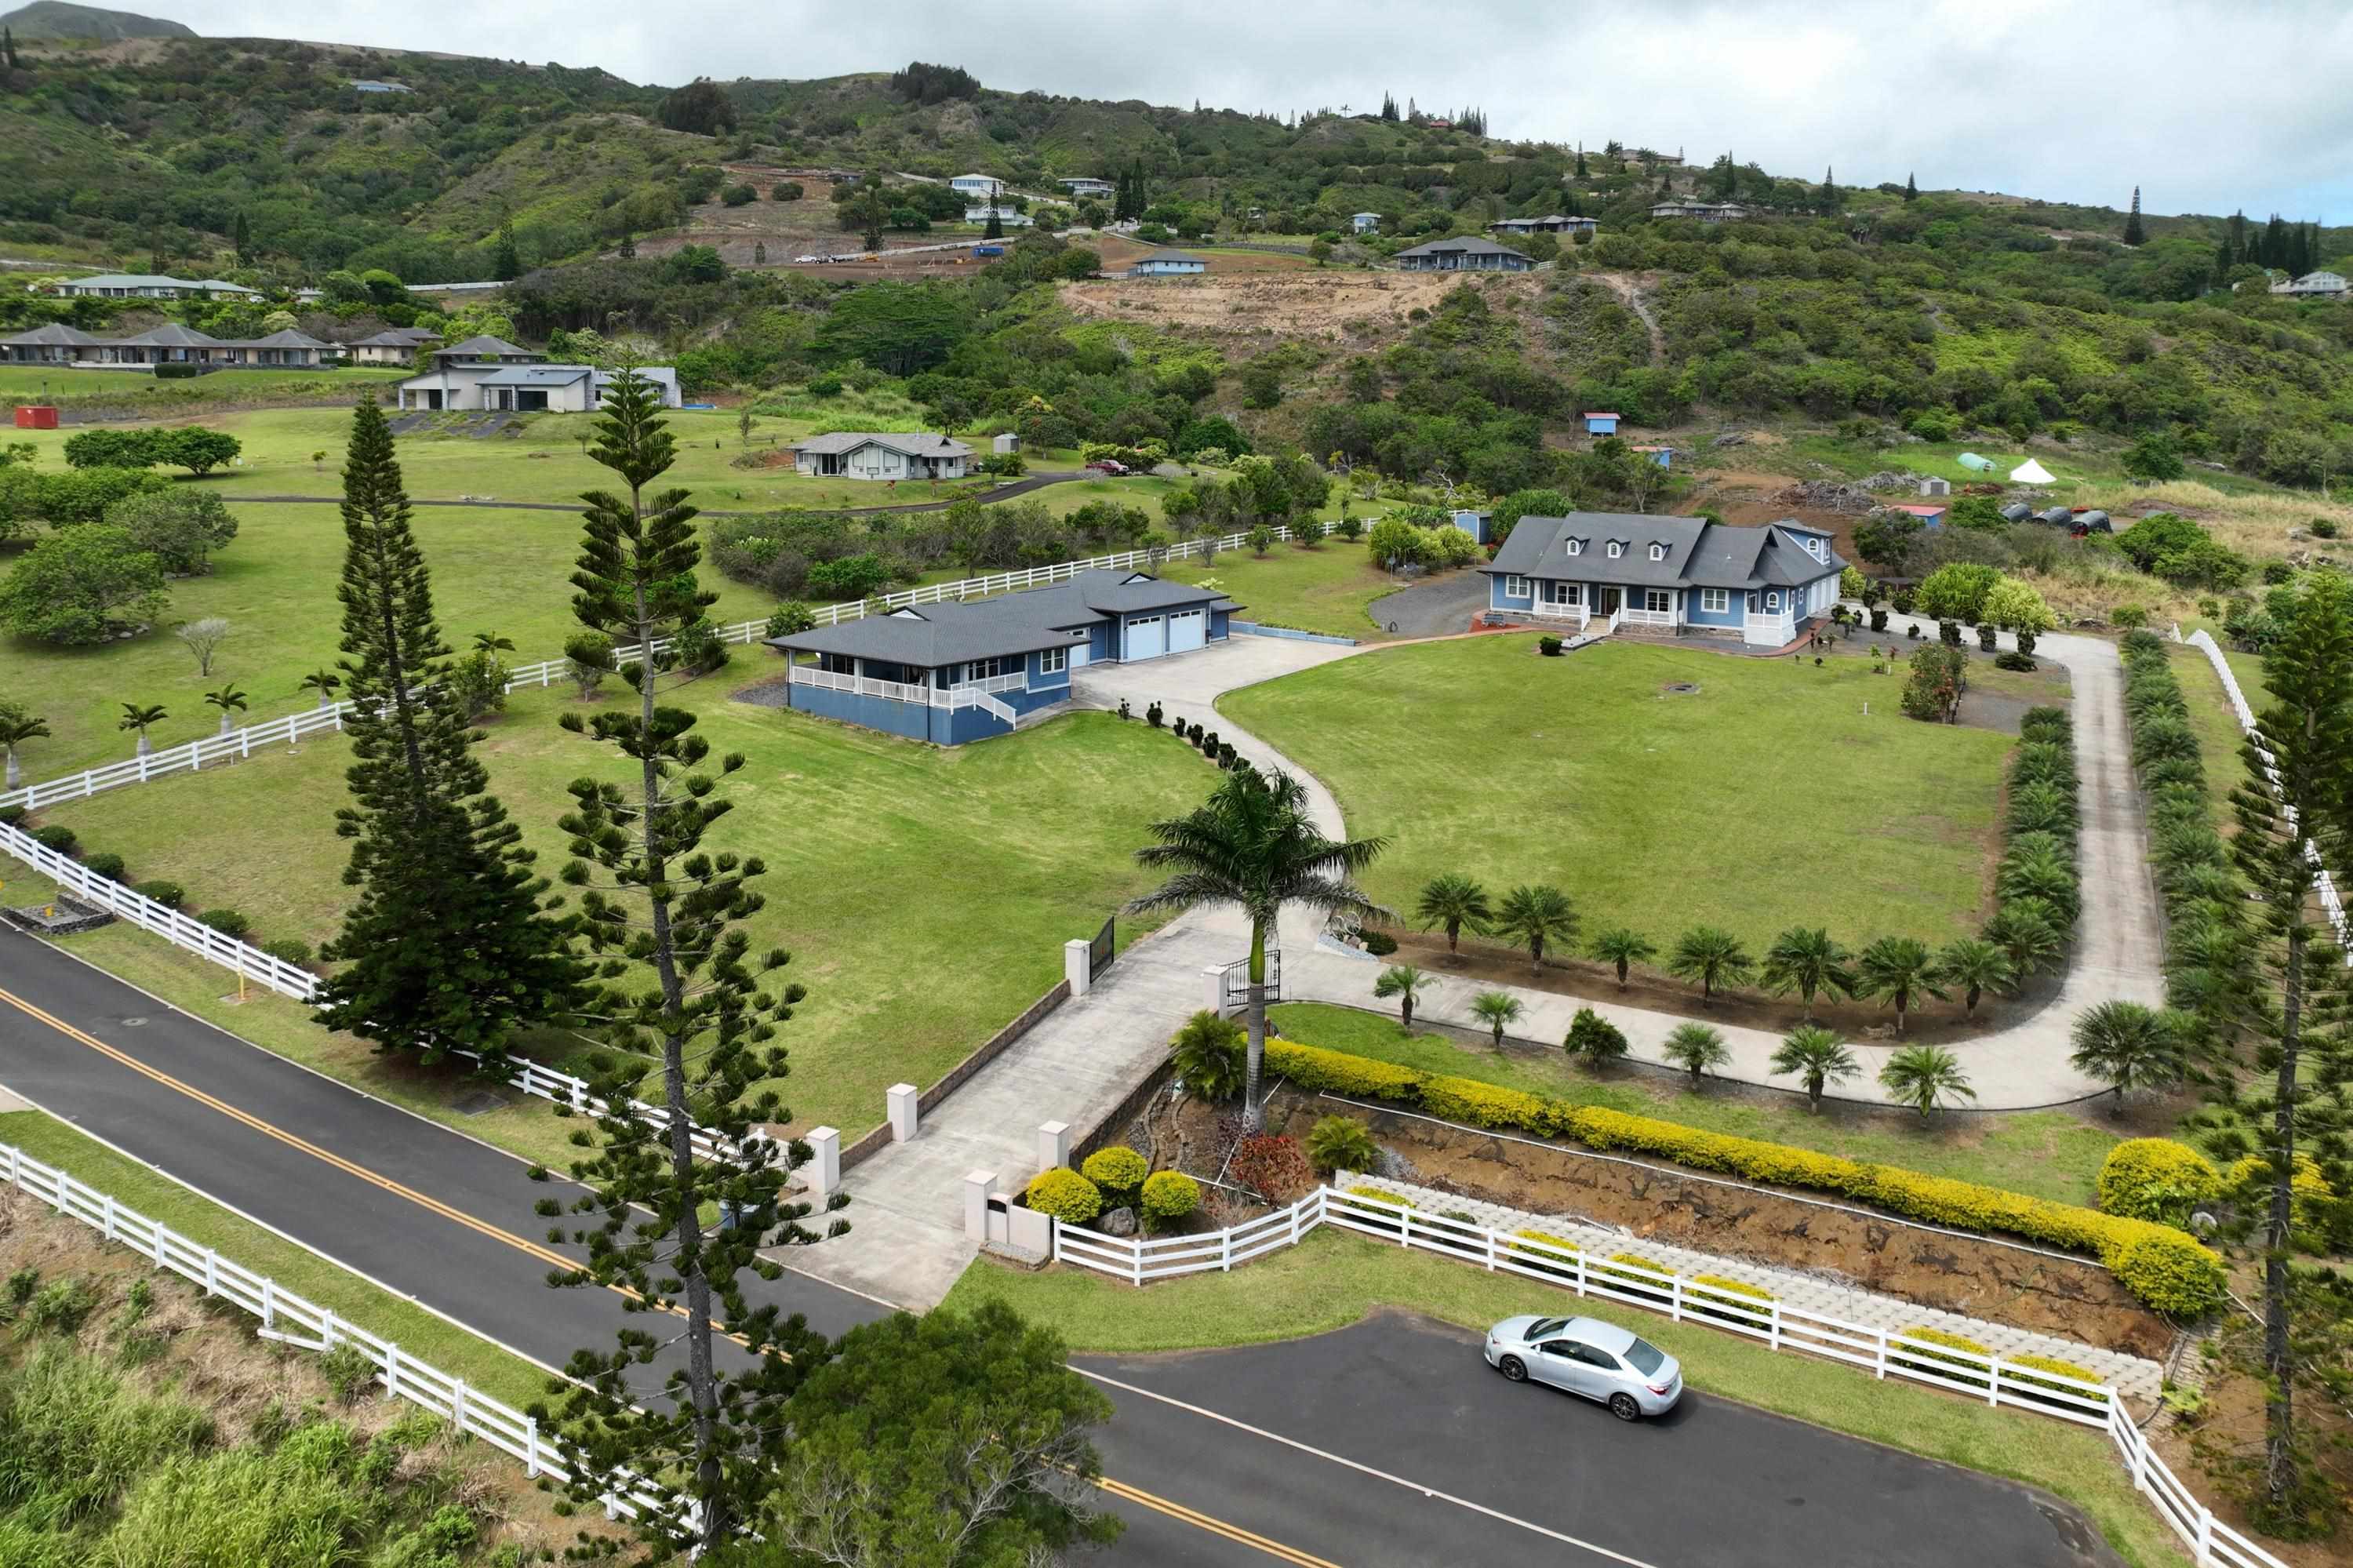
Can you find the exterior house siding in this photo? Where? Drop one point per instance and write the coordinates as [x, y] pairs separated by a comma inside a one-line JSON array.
[[875, 713], [1217, 625], [1498, 600], [1734, 607]]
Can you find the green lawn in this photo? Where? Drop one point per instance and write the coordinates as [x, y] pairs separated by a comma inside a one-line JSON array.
[[1765, 799], [892, 866], [2048, 1154], [1326, 589], [1333, 1280], [2217, 725], [430, 1338], [140, 393]]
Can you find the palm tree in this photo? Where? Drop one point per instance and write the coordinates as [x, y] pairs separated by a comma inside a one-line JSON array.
[[136, 717], [492, 643], [2038, 872], [1623, 947], [325, 682], [1709, 954], [2127, 1044], [1977, 965], [1817, 1055], [1807, 960], [1897, 969], [1253, 845], [1536, 917], [1403, 982], [16, 727], [230, 701], [1497, 1010], [2028, 935], [1696, 1048], [1453, 901], [1924, 1077]]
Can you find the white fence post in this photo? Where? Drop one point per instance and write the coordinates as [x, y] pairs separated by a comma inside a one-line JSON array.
[[976, 1186], [825, 1161], [392, 1371], [1053, 1144], [901, 1100], [1078, 965], [1224, 1250]]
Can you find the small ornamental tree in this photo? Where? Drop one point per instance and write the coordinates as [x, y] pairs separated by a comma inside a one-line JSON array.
[[1498, 1010], [83, 585], [1452, 902], [17, 725], [1697, 1049], [1621, 948], [1807, 959], [1898, 971], [1935, 684], [1403, 982], [1924, 1077], [1712, 957], [1539, 917], [1817, 1057], [1593, 1040]]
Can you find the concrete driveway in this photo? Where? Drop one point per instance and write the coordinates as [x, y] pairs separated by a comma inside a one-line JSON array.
[[1438, 607]]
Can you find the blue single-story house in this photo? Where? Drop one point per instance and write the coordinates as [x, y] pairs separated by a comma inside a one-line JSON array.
[[1683, 576], [956, 671], [1600, 422], [1663, 456], [1169, 264], [1932, 514]]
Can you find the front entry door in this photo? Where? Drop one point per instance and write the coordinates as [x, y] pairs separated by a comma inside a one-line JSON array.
[[1609, 601]]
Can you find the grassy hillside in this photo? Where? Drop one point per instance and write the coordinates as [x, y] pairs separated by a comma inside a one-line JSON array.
[[45, 19]]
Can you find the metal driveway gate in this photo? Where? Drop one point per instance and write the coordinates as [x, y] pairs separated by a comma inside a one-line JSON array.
[[1238, 979], [1099, 951]]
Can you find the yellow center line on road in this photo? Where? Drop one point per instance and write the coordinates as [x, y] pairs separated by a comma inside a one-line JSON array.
[[533, 1249]]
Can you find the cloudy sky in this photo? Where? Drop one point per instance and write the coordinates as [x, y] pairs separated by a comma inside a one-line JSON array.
[[2207, 107]]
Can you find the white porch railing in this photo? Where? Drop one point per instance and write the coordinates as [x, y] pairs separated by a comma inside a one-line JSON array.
[[290, 1319], [1999, 1383], [1769, 630], [973, 696], [1575, 612], [1631, 617]]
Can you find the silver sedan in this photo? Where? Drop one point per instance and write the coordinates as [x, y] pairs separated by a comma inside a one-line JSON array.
[[1587, 1356]]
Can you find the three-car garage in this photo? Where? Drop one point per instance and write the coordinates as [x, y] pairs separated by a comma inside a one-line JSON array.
[[1150, 636]]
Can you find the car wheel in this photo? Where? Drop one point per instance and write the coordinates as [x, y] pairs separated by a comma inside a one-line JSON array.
[[1514, 1369], [1623, 1407]]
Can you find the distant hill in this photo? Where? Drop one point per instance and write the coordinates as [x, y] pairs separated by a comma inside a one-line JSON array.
[[56, 19]]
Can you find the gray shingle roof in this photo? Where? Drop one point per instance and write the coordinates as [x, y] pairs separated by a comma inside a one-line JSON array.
[[477, 346], [951, 632], [55, 334], [170, 334], [395, 337], [1698, 553], [1180, 256], [921, 443], [1463, 246], [537, 376]]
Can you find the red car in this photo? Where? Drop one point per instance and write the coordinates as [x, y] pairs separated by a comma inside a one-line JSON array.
[[1108, 465]]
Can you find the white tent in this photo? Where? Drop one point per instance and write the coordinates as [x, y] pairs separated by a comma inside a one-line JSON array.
[[2030, 472]]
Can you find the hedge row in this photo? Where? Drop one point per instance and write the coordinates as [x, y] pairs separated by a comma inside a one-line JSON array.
[[2165, 1267], [2192, 860]]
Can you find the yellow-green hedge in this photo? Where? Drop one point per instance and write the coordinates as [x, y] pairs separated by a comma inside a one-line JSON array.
[[1065, 1194], [1543, 1251], [2165, 1267]]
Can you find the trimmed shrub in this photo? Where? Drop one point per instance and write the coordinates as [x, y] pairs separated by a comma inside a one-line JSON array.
[[227, 922], [2155, 1179], [2027, 1386], [1209, 1055], [1939, 1365], [1169, 1195], [1593, 1038], [1733, 1312], [2015, 661], [287, 950], [2165, 1267], [57, 836], [108, 866], [1063, 1193], [1622, 1278], [170, 894], [1342, 1143], [1548, 1254], [1274, 1168], [10, 816], [1382, 1220], [1118, 1169], [1549, 646]]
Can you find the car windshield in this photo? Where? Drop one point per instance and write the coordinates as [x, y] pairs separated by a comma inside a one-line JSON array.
[[1543, 1326], [1645, 1357]]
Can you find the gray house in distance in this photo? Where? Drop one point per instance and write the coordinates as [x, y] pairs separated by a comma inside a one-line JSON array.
[[1465, 255], [880, 454], [957, 672], [1675, 575], [1169, 264]]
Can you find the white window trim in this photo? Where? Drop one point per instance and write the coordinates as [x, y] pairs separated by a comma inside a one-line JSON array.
[[1657, 552], [1617, 548], [1576, 547], [1714, 601], [1773, 603], [1559, 592], [1665, 598], [1053, 661], [1517, 588]]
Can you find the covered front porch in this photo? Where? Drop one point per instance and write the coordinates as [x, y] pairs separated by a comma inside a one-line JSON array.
[[947, 705]]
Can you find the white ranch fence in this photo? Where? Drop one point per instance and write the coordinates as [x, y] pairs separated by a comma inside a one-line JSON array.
[[1999, 1383], [291, 1320], [240, 743], [2324, 884], [275, 974]]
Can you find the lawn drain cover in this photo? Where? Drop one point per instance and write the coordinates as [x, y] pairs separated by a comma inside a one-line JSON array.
[[479, 1102], [1677, 688]]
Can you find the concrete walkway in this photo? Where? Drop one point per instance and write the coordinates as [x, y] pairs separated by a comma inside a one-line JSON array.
[[1087, 1055]]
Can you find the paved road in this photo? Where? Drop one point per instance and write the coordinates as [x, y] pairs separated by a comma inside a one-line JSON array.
[[1438, 607], [1250, 1455]]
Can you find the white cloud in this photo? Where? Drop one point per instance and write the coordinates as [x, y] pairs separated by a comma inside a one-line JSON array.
[[2205, 106]]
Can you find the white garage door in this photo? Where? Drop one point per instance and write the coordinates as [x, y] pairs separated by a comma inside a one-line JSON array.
[[1188, 629], [1147, 637], [1081, 652]]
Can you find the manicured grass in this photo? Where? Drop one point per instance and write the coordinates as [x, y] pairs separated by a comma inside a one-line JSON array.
[[493, 570], [1764, 800], [2048, 1154], [925, 894], [429, 1338], [1326, 589], [1333, 1280], [138, 392], [2217, 725]]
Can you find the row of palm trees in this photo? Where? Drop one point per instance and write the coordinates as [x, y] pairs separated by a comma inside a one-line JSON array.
[[1806, 961]]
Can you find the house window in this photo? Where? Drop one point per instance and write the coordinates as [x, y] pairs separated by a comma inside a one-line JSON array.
[[1657, 552], [1053, 661], [1773, 602], [1714, 601], [1576, 547], [1564, 593], [1617, 548], [984, 669], [1662, 600], [1516, 588]]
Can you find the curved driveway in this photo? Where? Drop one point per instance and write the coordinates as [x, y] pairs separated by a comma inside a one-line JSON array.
[[2119, 940]]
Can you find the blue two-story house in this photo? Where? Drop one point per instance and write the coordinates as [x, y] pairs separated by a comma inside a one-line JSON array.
[[1678, 576], [963, 670]]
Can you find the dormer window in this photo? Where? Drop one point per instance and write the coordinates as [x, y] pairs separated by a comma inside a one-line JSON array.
[[1657, 552], [1576, 547], [1617, 548]]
